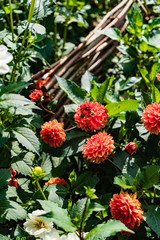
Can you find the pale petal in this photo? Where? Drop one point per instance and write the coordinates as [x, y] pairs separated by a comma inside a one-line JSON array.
[[4, 69], [5, 58]]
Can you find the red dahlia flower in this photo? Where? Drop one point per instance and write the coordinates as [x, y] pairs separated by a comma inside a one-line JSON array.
[[40, 83], [127, 208], [36, 95], [158, 76], [52, 133], [13, 182], [91, 116], [131, 147], [98, 147], [151, 118], [56, 180]]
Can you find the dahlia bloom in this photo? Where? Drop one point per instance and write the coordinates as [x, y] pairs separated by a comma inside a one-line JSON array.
[[36, 95], [127, 208], [56, 180], [5, 57], [52, 133], [36, 226], [158, 77], [40, 83], [91, 116], [13, 181], [151, 118], [98, 147], [131, 147]]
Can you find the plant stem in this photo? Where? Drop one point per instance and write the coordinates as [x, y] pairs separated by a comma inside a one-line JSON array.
[[30, 15], [38, 185], [55, 32], [65, 29], [114, 164], [11, 20]]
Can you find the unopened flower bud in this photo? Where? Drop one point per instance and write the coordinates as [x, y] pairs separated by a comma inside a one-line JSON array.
[[131, 147]]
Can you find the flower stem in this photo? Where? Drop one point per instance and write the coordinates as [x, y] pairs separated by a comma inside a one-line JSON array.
[[40, 189], [114, 164], [65, 29], [11, 20], [30, 15]]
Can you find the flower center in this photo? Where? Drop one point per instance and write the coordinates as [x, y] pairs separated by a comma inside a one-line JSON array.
[[40, 224], [86, 111]]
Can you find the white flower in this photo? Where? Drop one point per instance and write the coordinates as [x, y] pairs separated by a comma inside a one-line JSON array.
[[52, 235], [35, 225], [71, 236], [5, 57]]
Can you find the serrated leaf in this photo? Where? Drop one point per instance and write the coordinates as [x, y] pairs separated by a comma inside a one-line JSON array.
[[85, 179], [14, 87], [130, 82], [155, 94], [148, 176], [27, 138], [152, 218], [154, 70], [57, 215], [4, 137], [11, 210], [86, 81], [74, 92], [113, 33], [13, 100], [102, 231], [5, 175], [23, 162], [116, 108], [46, 163], [68, 148], [122, 182]]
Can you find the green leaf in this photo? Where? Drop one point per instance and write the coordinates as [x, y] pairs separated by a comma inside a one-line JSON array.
[[2, 237], [57, 215], [130, 82], [14, 87], [155, 94], [154, 39], [68, 148], [78, 213], [13, 100], [11, 210], [116, 108], [82, 210], [122, 182], [148, 176], [135, 19], [152, 218], [154, 23], [27, 138], [85, 179], [23, 162], [86, 81], [4, 137], [46, 163], [102, 231], [154, 70], [74, 92], [5, 175], [102, 91], [113, 33]]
